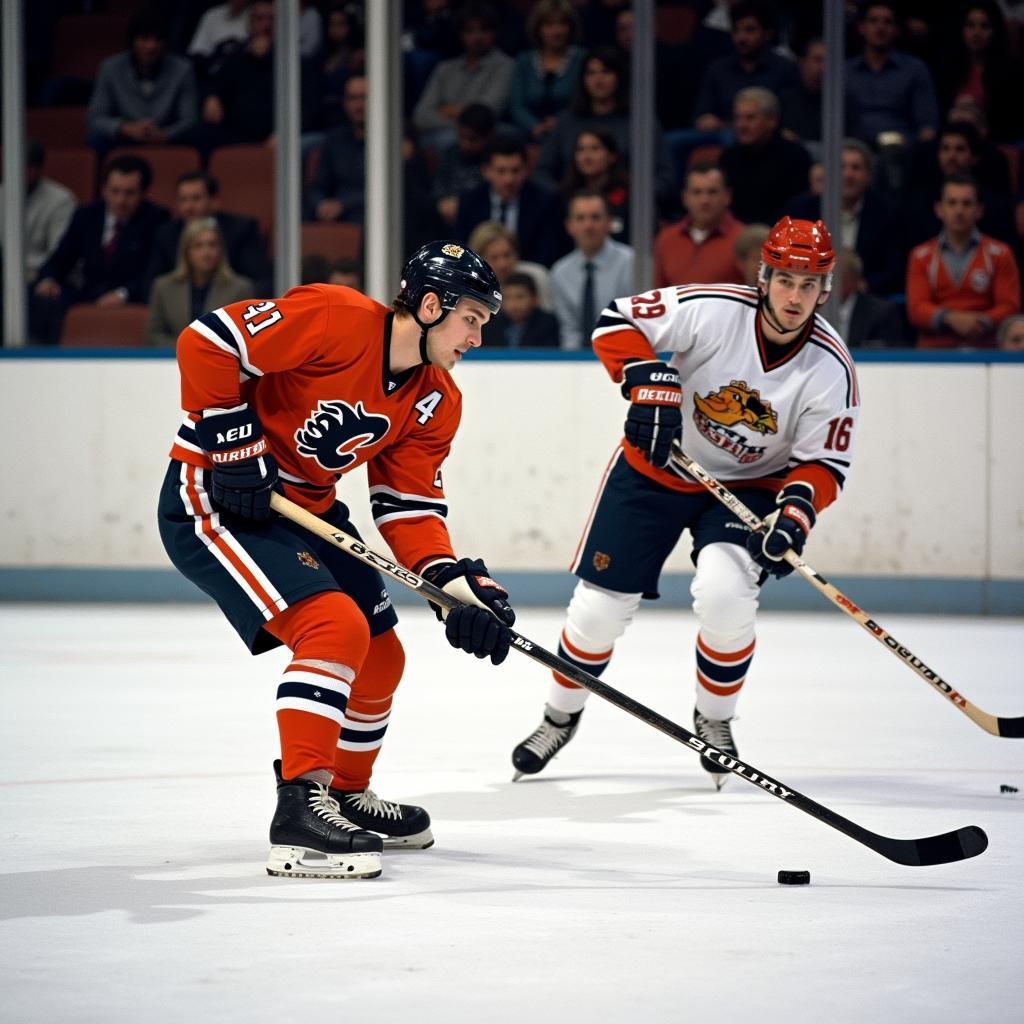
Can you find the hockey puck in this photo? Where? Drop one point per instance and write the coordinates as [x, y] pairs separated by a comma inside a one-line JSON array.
[[795, 877], [1005, 788]]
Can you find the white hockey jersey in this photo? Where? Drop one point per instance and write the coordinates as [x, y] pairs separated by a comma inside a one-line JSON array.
[[753, 412]]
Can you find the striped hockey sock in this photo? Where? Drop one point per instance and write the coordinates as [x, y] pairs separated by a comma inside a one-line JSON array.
[[720, 677], [311, 703], [567, 696]]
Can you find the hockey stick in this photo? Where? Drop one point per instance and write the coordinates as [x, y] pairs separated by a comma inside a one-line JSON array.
[[943, 849], [1010, 727]]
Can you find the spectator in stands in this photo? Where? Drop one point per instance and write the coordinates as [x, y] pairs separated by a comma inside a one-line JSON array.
[[521, 322], [224, 23], [338, 189], [544, 78], [801, 101], [961, 284], [344, 55], [753, 63], [506, 195], [864, 320], [195, 198], [201, 281], [311, 29], [893, 91], [458, 166], [763, 169], [1010, 336], [239, 108], [497, 245], [869, 222], [979, 65], [103, 255], [601, 101], [49, 207], [597, 166], [598, 270], [482, 74], [699, 249], [957, 152], [144, 95], [747, 250]]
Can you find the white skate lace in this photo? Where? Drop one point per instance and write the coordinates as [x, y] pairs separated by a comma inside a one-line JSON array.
[[325, 806], [716, 731], [547, 738], [368, 801]]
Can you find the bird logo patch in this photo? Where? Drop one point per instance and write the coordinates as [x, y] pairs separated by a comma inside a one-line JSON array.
[[601, 561], [455, 251], [335, 430], [308, 560]]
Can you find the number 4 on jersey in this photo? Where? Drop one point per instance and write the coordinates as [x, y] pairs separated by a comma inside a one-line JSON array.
[[427, 406]]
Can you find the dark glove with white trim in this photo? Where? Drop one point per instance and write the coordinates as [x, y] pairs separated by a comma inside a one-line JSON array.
[[244, 472], [655, 417], [787, 527], [480, 625]]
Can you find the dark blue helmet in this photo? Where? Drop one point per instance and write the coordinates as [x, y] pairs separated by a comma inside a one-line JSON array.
[[450, 271]]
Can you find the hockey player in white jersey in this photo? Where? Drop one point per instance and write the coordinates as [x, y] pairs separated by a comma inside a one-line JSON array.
[[763, 393]]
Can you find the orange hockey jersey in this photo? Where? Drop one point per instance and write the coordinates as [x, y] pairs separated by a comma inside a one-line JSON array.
[[314, 365]]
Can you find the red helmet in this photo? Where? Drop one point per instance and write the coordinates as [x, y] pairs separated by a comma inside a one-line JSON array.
[[801, 246]]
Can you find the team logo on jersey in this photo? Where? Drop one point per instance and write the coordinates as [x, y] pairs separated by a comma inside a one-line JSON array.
[[734, 405], [601, 561], [335, 430], [738, 403], [308, 560]]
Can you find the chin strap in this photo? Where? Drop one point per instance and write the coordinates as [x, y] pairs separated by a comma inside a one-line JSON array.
[[423, 334], [765, 308]]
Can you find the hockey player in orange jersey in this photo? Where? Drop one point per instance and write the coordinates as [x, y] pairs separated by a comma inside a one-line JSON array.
[[291, 394], [764, 394]]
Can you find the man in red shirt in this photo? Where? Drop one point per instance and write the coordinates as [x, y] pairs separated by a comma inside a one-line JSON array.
[[699, 249], [292, 394], [961, 284]]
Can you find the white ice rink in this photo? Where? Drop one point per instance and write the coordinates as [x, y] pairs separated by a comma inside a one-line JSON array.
[[136, 789]]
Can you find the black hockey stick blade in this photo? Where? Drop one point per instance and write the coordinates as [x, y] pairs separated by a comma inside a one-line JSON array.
[[945, 849], [1012, 727]]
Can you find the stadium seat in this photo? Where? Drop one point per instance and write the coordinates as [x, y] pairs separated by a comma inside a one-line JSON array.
[[332, 241], [75, 169], [245, 175], [168, 163], [674, 25], [704, 155], [56, 127], [90, 326], [82, 41]]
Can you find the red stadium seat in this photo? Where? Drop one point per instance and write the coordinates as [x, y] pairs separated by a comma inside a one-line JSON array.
[[704, 155], [74, 168], [674, 25], [57, 127], [332, 241], [168, 163], [245, 175], [82, 41], [1012, 154], [89, 326]]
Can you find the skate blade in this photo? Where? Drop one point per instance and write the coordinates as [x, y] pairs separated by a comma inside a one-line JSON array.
[[719, 781], [420, 841], [518, 776], [299, 862]]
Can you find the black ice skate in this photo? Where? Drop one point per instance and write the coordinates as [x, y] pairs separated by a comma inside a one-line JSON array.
[[403, 826], [311, 839], [717, 732], [533, 754]]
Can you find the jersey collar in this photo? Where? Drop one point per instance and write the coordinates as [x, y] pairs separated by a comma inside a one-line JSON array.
[[391, 383], [773, 356]]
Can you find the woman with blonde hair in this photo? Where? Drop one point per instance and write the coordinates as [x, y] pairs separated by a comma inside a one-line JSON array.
[[496, 244], [202, 280]]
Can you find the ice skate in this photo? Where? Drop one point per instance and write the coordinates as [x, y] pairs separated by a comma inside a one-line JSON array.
[[311, 839], [402, 826], [717, 732], [533, 754]]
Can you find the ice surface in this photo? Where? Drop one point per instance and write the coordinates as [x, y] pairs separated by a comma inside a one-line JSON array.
[[136, 789]]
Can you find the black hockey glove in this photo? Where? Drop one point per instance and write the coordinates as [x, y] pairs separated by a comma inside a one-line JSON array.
[[244, 472], [788, 527], [655, 417], [480, 625]]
